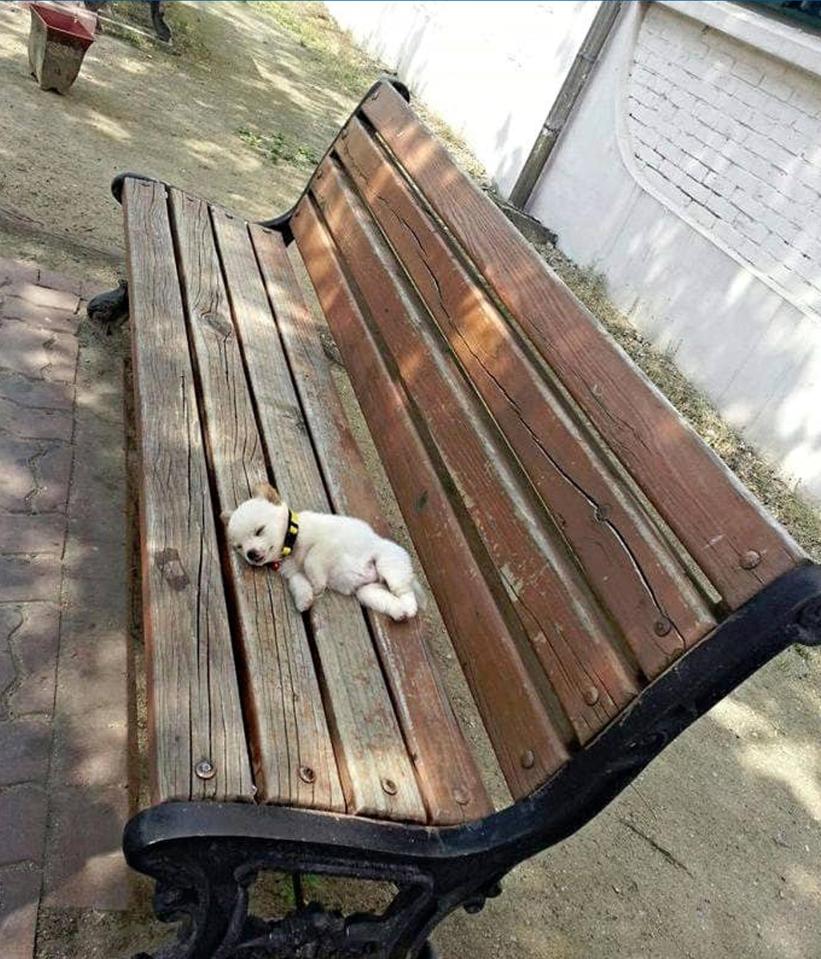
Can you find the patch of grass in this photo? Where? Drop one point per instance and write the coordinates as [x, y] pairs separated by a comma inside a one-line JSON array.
[[344, 65], [182, 20], [279, 148], [341, 63], [801, 518]]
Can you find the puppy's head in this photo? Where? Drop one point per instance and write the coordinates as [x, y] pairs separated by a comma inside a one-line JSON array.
[[256, 528]]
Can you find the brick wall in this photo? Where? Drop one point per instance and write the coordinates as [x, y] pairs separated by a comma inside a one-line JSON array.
[[731, 138]]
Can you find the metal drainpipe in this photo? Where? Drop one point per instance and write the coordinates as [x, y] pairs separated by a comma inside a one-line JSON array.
[[571, 89]]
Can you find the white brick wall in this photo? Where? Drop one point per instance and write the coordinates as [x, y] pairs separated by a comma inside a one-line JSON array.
[[732, 138]]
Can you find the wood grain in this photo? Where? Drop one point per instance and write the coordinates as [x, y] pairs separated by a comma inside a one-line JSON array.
[[448, 777], [723, 527], [193, 695], [377, 775], [526, 742], [569, 633], [284, 708], [629, 565]]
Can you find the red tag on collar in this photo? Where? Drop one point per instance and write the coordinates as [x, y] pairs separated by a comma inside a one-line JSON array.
[[276, 564]]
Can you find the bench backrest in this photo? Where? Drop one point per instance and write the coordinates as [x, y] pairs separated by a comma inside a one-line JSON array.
[[576, 532]]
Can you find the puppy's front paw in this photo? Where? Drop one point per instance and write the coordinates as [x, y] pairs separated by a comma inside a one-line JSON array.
[[304, 601], [405, 608]]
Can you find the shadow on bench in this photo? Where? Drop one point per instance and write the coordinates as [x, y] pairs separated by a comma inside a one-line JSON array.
[[603, 578]]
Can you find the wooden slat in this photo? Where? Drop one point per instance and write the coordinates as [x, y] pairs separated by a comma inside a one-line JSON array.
[[448, 777], [627, 561], [284, 709], [194, 702], [527, 744], [572, 638], [376, 771], [709, 510]]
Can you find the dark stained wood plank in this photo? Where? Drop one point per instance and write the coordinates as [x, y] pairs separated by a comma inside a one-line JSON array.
[[194, 703], [526, 742], [574, 641], [376, 771], [286, 718], [739, 547], [630, 566], [448, 777]]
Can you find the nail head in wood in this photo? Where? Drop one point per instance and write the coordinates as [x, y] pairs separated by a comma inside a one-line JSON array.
[[205, 769], [389, 786], [307, 775], [528, 759], [461, 797], [662, 626], [591, 695], [750, 559]]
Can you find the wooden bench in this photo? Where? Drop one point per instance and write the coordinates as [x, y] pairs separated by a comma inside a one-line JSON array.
[[602, 577]]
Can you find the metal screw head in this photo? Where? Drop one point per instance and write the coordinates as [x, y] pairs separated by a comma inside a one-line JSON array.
[[591, 695], [662, 627], [307, 775], [750, 559], [389, 786], [461, 797], [528, 760], [205, 769]]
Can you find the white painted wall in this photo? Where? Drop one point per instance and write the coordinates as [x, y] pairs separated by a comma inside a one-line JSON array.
[[490, 70], [690, 176]]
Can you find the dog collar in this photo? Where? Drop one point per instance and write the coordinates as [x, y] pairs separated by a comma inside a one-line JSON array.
[[290, 535]]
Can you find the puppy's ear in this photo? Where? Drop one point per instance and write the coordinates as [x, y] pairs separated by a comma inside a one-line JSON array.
[[266, 491], [225, 515]]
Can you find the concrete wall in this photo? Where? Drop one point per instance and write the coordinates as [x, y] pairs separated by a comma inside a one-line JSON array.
[[690, 176], [490, 70]]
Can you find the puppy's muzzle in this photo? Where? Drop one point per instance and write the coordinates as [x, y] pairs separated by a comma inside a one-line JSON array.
[[255, 556]]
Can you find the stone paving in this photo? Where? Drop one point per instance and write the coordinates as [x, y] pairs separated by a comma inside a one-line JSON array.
[[63, 745]]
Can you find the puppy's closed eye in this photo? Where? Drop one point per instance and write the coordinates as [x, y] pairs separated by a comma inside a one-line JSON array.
[[260, 531]]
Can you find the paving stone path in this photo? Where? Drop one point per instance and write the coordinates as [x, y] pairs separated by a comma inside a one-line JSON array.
[[63, 661]]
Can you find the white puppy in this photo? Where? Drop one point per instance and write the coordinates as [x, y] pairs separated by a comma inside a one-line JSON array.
[[319, 550]]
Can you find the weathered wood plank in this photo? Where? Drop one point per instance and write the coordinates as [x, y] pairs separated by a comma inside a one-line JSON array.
[[376, 771], [739, 547], [194, 703], [448, 777], [630, 566], [286, 718], [525, 740], [574, 641]]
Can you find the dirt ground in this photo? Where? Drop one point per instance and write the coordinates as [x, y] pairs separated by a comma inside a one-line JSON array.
[[715, 851]]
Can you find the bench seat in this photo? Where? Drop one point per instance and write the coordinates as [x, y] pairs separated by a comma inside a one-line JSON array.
[[566, 585], [249, 701]]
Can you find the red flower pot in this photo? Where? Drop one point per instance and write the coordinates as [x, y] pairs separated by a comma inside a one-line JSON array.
[[60, 35]]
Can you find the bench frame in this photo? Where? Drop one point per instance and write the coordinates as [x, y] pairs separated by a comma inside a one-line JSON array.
[[204, 856]]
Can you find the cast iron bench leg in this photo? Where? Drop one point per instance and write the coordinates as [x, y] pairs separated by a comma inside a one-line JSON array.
[[205, 857]]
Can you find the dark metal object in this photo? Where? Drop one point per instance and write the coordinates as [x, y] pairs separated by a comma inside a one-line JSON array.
[[110, 309], [562, 107], [158, 20], [204, 856]]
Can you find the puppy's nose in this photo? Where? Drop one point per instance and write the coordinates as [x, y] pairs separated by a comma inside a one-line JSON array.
[[254, 555]]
